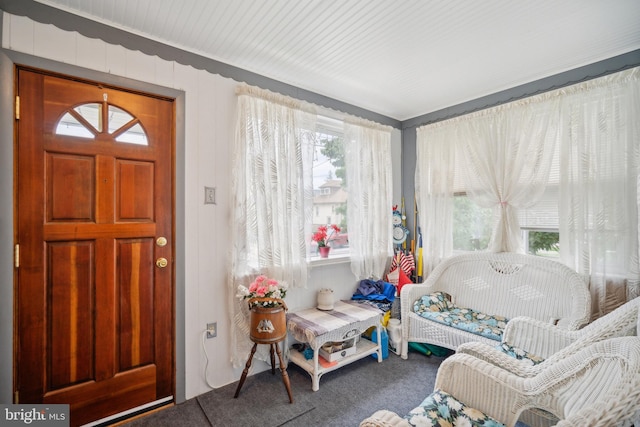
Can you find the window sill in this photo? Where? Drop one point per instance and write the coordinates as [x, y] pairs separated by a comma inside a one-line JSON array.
[[319, 262]]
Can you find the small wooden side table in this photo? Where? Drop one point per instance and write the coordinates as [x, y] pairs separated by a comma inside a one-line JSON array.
[[262, 332]]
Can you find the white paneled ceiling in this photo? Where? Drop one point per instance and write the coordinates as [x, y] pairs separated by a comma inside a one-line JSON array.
[[399, 58]]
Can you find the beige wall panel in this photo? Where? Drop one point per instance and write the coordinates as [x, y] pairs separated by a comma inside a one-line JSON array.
[[91, 53]]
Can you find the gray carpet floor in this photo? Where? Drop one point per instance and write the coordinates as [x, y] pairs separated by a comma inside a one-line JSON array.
[[346, 396]]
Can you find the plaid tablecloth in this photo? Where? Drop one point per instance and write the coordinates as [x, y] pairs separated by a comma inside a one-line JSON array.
[[307, 325]]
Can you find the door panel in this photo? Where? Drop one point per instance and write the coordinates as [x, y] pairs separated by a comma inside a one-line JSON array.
[[95, 400], [70, 307], [94, 318], [135, 191], [135, 313], [65, 172]]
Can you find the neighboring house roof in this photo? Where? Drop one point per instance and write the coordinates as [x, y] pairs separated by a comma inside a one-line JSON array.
[[333, 183], [337, 193]]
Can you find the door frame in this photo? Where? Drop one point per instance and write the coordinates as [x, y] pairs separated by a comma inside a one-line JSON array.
[[8, 60]]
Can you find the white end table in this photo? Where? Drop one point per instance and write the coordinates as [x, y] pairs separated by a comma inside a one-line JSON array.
[[347, 320]]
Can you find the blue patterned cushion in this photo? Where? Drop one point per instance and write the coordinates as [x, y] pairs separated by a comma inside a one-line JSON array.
[[437, 301], [519, 354], [441, 409], [433, 307]]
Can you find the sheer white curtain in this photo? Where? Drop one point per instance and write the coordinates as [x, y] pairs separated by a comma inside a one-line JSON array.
[[508, 152], [369, 206], [503, 156], [434, 186], [599, 186], [271, 181]]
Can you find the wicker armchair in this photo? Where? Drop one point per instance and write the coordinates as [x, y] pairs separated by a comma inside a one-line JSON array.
[[551, 343], [597, 386], [598, 371]]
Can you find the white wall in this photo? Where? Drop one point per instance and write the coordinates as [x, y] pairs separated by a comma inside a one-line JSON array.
[[209, 122]]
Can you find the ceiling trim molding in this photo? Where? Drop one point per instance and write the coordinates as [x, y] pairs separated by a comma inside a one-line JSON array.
[[46, 14]]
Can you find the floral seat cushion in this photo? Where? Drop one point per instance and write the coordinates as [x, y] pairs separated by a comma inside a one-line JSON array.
[[438, 308], [443, 410], [519, 354]]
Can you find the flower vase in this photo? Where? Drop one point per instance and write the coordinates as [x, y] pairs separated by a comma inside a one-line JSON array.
[[268, 324], [324, 251]]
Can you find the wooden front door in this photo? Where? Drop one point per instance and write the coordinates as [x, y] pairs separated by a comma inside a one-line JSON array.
[[94, 226]]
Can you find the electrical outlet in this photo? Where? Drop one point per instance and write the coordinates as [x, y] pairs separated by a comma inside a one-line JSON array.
[[209, 195], [212, 330]]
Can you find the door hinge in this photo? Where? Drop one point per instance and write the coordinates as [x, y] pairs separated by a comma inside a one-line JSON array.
[[16, 256], [16, 397], [17, 107]]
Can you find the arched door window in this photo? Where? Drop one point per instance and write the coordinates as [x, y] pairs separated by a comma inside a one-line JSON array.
[[88, 120]]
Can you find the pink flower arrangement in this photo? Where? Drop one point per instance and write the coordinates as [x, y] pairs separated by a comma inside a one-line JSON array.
[[263, 287], [323, 236]]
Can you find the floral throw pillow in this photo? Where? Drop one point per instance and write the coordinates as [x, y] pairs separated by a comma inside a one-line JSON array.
[[440, 409], [437, 301], [520, 354]]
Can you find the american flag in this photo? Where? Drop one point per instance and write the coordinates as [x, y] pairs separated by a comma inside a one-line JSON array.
[[406, 262]]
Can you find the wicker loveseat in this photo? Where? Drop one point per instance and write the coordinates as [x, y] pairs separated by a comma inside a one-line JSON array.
[[494, 286]]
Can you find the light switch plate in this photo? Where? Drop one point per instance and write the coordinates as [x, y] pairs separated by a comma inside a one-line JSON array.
[[209, 195]]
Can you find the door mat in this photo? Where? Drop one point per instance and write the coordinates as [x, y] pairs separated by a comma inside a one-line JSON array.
[[263, 401]]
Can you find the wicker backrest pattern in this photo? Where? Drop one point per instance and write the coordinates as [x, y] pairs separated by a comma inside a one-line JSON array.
[[510, 284], [619, 408], [581, 380]]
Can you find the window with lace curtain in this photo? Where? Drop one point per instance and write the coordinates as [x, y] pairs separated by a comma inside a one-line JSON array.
[[472, 224], [272, 184], [330, 192], [565, 160]]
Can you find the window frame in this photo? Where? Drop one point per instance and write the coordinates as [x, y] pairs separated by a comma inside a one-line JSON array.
[[331, 127]]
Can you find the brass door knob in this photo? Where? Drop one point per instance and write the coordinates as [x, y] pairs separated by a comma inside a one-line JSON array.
[[162, 262]]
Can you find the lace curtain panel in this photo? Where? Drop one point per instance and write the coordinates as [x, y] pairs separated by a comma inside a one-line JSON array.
[[273, 199], [503, 156], [434, 184], [272, 156], [506, 153], [370, 187], [600, 150]]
